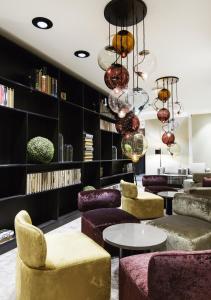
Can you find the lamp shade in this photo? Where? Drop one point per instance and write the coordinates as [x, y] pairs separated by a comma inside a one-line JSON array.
[[158, 151]]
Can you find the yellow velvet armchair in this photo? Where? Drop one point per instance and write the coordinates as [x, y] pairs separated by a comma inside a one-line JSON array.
[[67, 266], [142, 205]]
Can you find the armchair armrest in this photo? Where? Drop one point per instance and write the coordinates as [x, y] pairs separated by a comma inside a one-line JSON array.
[[205, 191], [102, 198], [185, 274]]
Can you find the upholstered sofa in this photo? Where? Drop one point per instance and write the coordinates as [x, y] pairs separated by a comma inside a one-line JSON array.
[[99, 210], [142, 205], [198, 180], [190, 226], [65, 266], [166, 276], [156, 183]]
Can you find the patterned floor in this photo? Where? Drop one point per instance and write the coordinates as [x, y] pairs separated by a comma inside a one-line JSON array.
[[7, 268]]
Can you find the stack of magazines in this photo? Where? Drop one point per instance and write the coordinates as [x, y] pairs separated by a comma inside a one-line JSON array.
[[88, 147], [6, 235]]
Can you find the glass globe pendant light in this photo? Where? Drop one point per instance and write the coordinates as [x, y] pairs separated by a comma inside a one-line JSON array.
[[145, 64], [163, 115], [168, 138], [130, 123], [139, 97], [123, 42], [134, 146], [107, 57], [164, 95], [116, 76], [119, 102]]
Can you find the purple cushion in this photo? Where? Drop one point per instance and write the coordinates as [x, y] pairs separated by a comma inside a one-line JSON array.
[[206, 182], [154, 180], [104, 217], [101, 198]]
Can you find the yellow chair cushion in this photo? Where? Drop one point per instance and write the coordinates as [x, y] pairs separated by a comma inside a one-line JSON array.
[[145, 206], [128, 189], [73, 248], [148, 196]]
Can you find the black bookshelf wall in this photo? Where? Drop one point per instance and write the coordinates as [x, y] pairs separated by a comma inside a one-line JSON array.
[[36, 113]]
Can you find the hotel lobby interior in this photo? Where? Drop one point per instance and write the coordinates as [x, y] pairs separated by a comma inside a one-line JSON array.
[[105, 161]]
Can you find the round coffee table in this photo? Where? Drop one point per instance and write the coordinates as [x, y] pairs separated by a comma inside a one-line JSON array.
[[168, 196], [133, 236]]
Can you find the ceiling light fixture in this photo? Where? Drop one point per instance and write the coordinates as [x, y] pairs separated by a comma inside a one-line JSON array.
[[82, 54], [114, 57], [167, 106], [42, 23]]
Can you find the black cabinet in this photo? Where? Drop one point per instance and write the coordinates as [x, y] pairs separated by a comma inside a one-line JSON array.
[[71, 112]]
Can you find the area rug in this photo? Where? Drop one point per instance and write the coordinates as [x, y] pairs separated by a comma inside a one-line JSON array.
[[8, 261]]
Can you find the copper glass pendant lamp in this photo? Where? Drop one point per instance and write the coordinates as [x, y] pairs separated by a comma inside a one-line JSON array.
[[167, 95], [114, 59]]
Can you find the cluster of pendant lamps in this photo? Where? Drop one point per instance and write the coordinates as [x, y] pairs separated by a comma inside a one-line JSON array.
[[168, 106], [114, 58]]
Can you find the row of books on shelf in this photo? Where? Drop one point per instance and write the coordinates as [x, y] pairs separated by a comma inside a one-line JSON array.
[[88, 147], [108, 126], [44, 82], [6, 96], [39, 182]]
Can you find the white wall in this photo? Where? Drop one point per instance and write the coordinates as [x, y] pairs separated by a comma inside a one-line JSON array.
[[201, 138], [153, 134]]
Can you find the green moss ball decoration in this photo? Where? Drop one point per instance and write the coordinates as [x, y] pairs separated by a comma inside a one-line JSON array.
[[40, 149], [89, 188]]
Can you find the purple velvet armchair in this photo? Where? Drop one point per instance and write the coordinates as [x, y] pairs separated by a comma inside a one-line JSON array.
[[156, 183], [166, 276], [100, 210]]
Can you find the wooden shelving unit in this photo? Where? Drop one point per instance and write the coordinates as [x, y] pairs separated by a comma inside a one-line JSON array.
[[36, 113]]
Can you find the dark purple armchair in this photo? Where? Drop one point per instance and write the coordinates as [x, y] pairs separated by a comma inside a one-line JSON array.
[[166, 276], [99, 210], [156, 183]]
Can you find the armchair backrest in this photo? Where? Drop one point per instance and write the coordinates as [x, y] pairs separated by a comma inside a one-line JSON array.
[[154, 180], [185, 274], [192, 205], [198, 177], [128, 189], [101, 198], [30, 241]]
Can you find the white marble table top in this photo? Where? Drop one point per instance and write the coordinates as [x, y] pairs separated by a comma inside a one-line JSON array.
[[134, 236]]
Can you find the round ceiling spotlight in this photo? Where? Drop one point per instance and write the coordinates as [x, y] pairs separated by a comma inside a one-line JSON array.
[[82, 54], [42, 23]]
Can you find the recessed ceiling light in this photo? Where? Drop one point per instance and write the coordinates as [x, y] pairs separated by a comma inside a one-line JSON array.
[[42, 23], [81, 54]]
